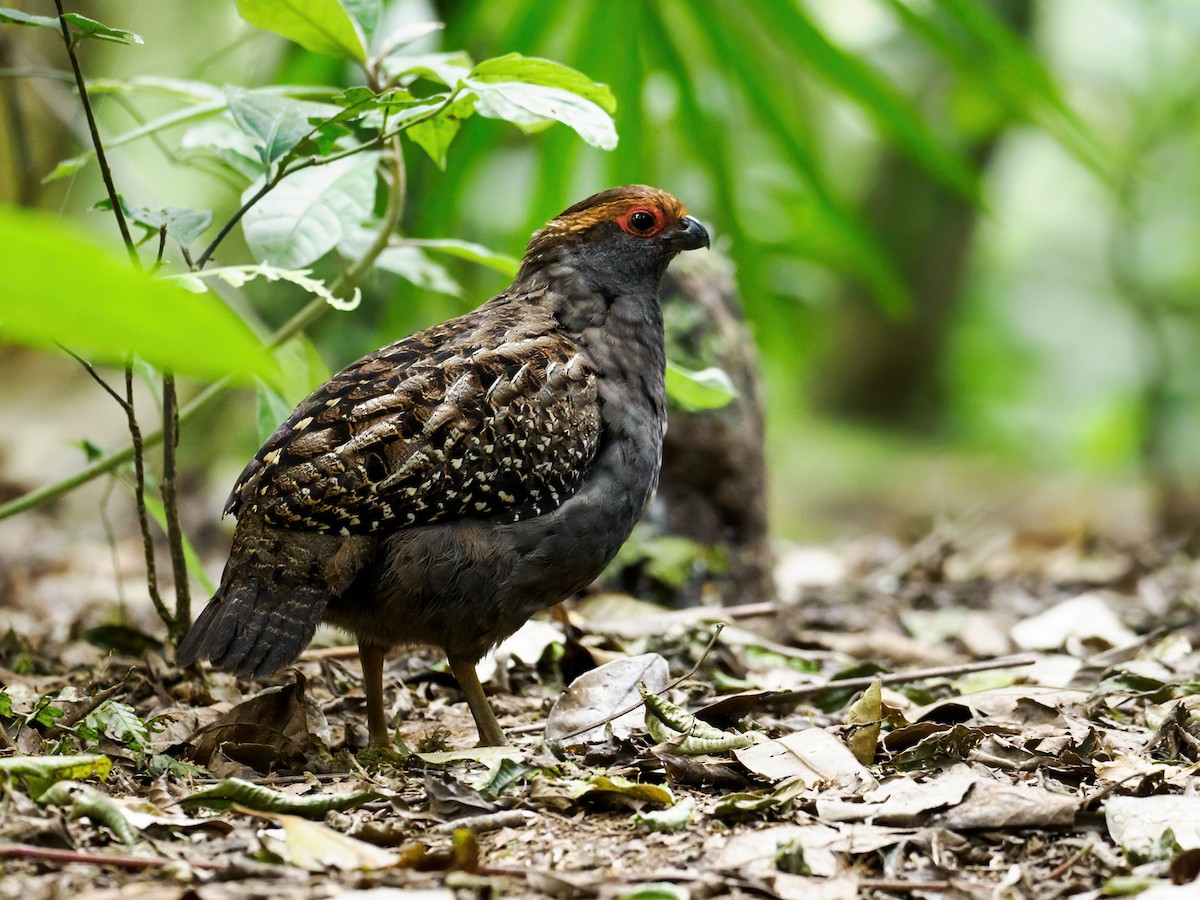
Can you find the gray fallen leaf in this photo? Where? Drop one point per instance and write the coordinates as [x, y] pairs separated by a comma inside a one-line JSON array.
[[1086, 618], [600, 693], [813, 755], [901, 800], [1139, 822], [993, 804]]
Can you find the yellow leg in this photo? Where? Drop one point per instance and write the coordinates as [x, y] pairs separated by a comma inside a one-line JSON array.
[[371, 656], [490, 733]]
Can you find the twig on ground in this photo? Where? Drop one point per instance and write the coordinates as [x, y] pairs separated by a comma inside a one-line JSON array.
[[865, 681], [47, 854]]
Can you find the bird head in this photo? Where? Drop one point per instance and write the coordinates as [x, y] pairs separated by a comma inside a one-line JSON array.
[[617, 240]]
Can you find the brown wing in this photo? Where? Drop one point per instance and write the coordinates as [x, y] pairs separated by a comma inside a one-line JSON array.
[[485, 416]]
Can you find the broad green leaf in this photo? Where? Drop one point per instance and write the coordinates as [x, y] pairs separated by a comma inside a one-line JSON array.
[[446, 68], [90, 28], [275, 123], [23, 18], [310, 211], [532, 107], [366, 13], [228, 143], [547, 73], [695, 391], [322, 26], [435, 134], [183, 225], [60, 286], [476, 253], [405, 35]]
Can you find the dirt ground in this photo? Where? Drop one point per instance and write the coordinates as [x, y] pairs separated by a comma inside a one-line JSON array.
[[1067, 769]]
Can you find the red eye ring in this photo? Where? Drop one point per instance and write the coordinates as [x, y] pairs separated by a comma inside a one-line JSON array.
[[642, 221]]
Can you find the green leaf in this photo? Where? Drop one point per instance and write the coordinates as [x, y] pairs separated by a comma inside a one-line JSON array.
[[531, 107], [476, 253], [695, 391], [119, 722], [310, 211], [547, 73], [405, 35], [40, 772], [60, 286], [435, 134], [322, 26], [275, 123], [366, 13], [17, 17], [90, 28], [447, 68]]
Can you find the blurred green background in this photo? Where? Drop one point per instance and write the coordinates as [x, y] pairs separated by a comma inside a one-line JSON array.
[[965, 231]]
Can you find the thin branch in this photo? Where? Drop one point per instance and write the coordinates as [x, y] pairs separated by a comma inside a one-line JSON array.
[[237, 217], [183, 595], [47, 854], [865, 681], [139, 474], [91, 370], [101, 158]]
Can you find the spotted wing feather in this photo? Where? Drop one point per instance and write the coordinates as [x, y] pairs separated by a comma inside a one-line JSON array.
[[485, 416]]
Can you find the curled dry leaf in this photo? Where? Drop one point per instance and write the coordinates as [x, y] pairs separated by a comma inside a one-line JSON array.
[[602, 693]]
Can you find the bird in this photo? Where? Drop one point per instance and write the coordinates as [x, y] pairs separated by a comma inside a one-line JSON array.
[[447, 487]]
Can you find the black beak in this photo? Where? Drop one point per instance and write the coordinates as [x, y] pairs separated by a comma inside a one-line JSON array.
[[686, 234]]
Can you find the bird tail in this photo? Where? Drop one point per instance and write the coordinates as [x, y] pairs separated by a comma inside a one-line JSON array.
[[273, 594]]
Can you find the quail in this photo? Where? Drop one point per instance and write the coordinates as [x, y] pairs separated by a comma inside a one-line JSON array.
[[448, 486]]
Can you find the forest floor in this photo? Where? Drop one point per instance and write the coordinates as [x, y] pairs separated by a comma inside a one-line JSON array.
[[1070, 771]]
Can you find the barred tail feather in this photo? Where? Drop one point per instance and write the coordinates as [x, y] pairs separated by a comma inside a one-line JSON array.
[[273, 594]]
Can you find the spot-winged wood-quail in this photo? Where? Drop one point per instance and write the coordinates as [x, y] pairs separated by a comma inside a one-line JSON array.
[[448, 486]]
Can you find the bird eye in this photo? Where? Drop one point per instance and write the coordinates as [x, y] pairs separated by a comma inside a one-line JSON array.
[[642, 221]]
